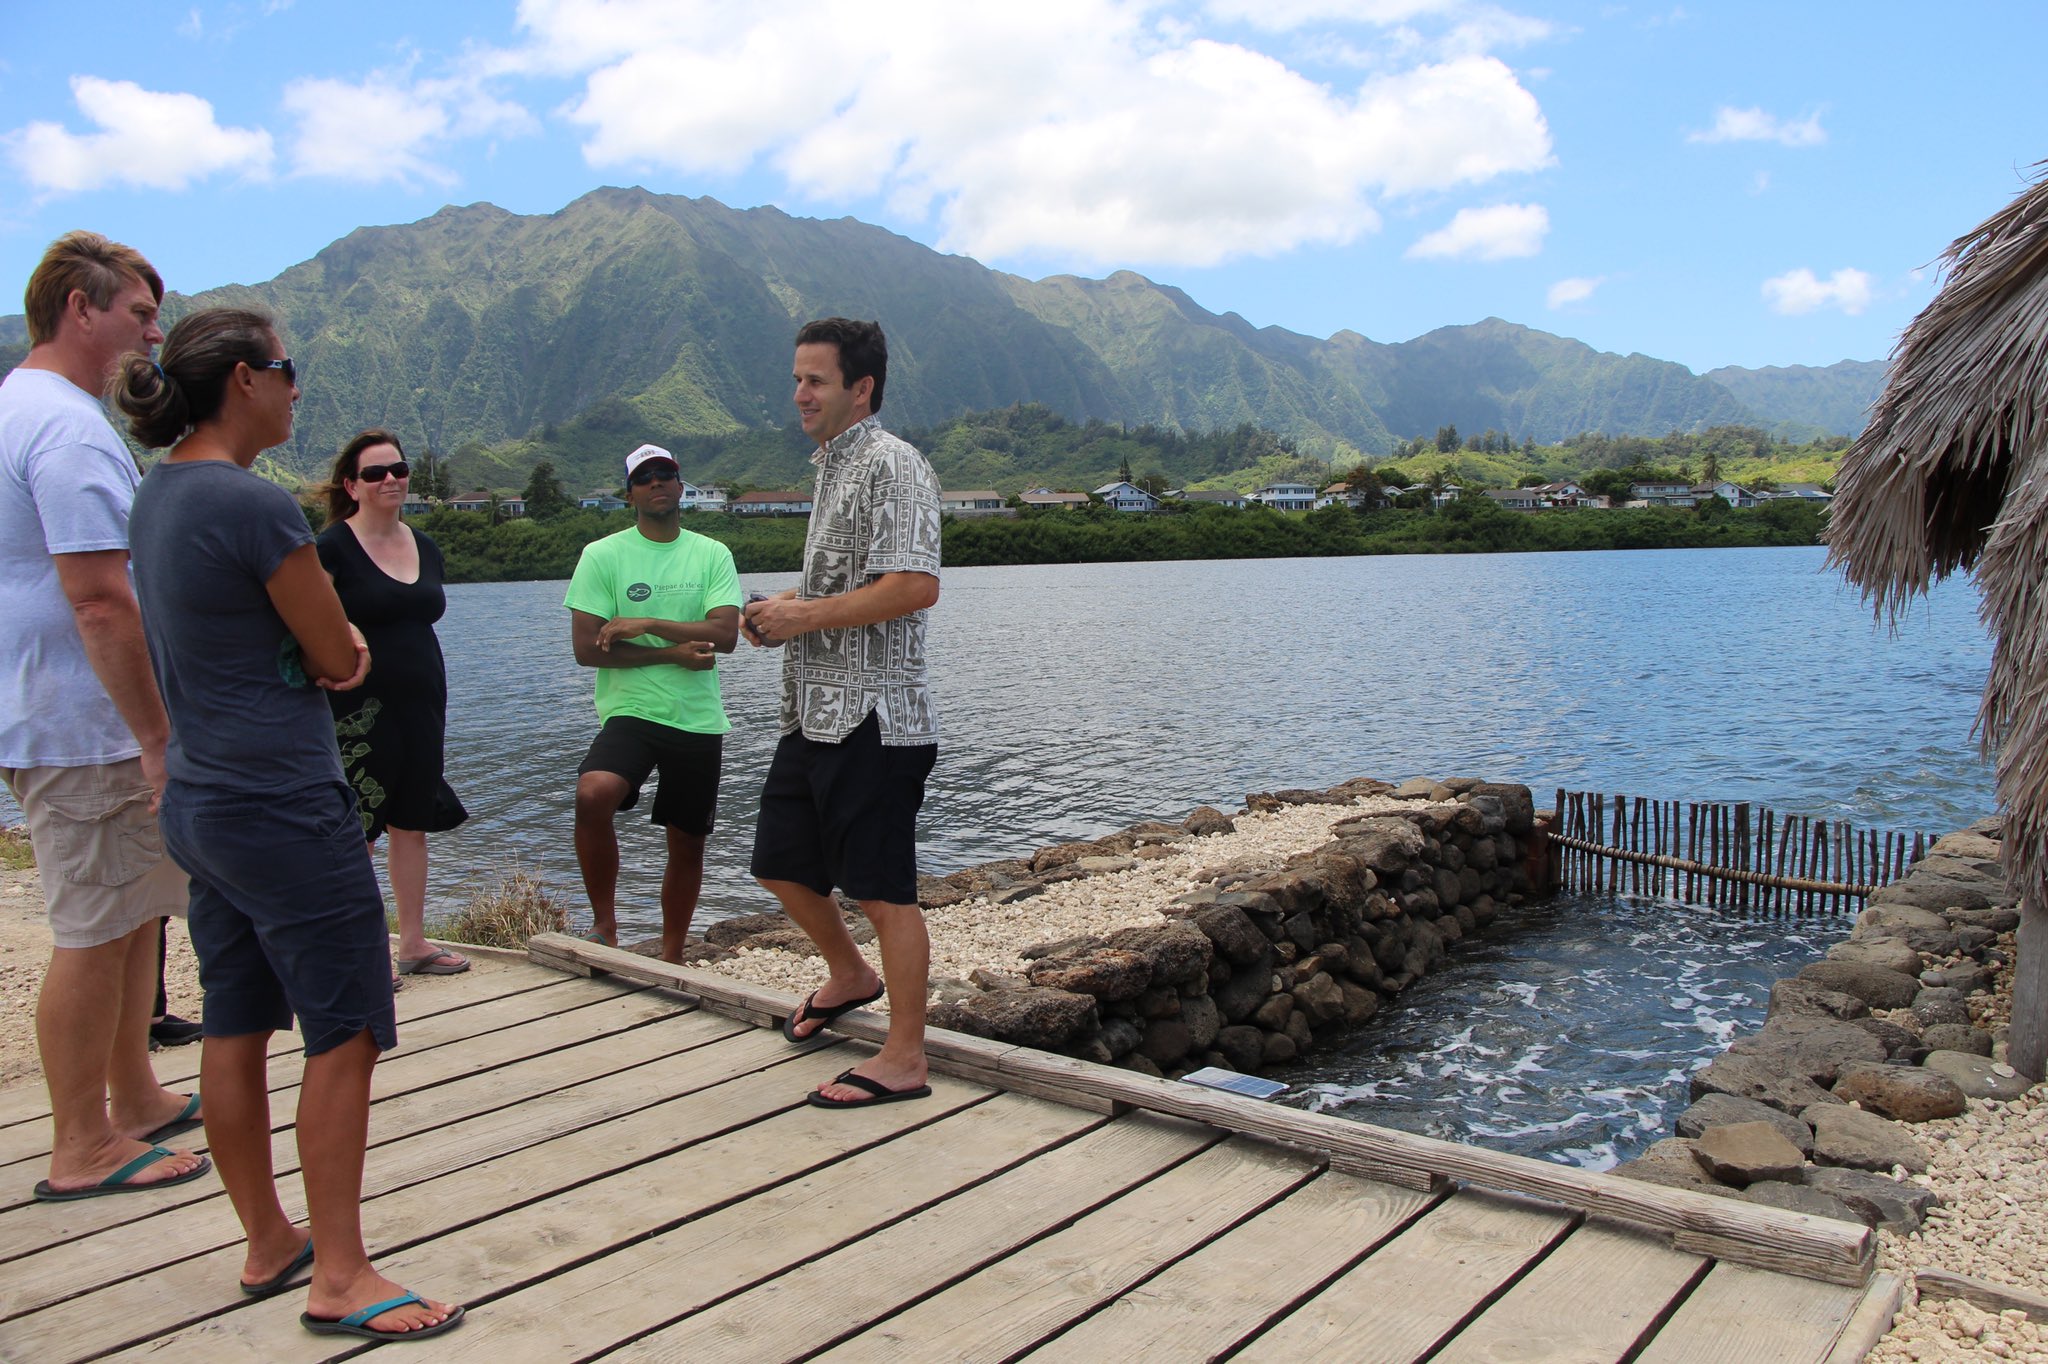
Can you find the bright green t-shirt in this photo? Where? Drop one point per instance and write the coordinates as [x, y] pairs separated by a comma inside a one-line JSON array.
[[627, 574]]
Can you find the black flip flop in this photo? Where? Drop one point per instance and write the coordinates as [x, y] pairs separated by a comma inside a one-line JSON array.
[[823, 1014], [882, 1093]]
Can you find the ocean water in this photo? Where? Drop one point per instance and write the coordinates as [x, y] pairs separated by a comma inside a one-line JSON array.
[[1077, 698]]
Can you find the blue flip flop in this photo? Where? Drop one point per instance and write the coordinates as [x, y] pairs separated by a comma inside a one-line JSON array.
[[356, 1323], [178, 1126], [281, 1280], [119, 1181]]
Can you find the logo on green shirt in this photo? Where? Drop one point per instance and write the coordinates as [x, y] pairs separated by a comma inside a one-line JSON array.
[[639, 592]]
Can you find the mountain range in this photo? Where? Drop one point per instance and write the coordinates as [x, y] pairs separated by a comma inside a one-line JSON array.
[[630, 316]]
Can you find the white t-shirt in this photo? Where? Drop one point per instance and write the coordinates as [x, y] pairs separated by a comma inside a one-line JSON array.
[[66, 483]]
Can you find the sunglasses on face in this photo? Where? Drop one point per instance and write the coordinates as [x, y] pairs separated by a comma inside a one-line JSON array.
[[291, 376], [647, 474], [377, 473]]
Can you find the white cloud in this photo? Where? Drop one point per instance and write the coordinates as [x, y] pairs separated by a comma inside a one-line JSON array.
[[192, 25], [1754, 125], [1094, 129], [1574, 290], [148, 139], [387, 126], [1760, 183], [1799, 291], [1500, 232]]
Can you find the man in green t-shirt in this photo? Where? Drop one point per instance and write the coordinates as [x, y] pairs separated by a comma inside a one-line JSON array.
[[651, 608]]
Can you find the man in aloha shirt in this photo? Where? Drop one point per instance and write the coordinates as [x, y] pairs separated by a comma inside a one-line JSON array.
[[859, 735]]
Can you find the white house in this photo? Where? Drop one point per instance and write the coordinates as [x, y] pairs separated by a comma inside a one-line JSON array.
[[1568, 494], [1669, 494], [693, 497], [1126, 497], [1734, 494], [971, 501], [1286, 496], [1046, 498]]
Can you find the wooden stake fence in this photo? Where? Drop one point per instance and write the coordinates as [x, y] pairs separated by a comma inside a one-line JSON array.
[[1742, 856]]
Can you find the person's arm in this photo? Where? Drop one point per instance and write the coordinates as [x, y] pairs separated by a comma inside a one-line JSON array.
[[585, 629], [784, 617], [720, 629], [332, 650], [109, 624]]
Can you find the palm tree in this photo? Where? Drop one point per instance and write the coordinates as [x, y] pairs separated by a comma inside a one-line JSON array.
[[1952, 474]]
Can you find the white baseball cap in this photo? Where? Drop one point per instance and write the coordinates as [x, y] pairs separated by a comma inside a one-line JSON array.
[[645, 453]]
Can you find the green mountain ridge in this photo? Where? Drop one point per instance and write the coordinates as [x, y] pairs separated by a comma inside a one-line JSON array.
[[628, 316]]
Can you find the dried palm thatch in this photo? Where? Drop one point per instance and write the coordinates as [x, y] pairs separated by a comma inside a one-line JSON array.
[[1952, 474]]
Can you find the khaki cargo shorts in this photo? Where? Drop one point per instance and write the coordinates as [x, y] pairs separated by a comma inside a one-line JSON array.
[[102, 861]]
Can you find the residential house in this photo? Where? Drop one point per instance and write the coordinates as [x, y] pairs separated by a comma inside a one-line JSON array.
[[419, 506], [1734, 494], [972, 502], [1568, 494], [1354, 498], [1515, 499], [1046, 498], [513, 505], [785, 503], [477, 501], [1209, 497], [1662, 494], [601, 499], [1286, 496], [703, 499], [1126, 497], [1804, 492]]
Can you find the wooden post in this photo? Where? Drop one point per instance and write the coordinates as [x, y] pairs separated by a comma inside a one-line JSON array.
[[1742, 849], [2027, 1049]]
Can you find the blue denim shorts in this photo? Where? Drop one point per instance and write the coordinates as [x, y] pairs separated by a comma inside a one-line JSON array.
[[286, 918]]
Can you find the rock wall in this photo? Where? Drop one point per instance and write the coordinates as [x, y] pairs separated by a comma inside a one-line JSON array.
[[1896, 1025]]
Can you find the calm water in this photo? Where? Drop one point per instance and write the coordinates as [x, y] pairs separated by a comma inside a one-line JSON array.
[[1076, 698]]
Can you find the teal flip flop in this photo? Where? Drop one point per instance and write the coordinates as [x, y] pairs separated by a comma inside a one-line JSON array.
[[356, 1323], [186, 1121], [118, 1182], [281, 1280]]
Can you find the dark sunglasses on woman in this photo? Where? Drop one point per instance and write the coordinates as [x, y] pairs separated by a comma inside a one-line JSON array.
[[291, 376], [377, 473]]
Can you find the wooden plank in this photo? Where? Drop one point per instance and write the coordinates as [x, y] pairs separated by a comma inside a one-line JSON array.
[[1992, 1297], [1418, 1288], [1813, 1247], [1738, 1313], [810, 1307], [33, 1226], [1871, 1320], [1015, 1303], [552, 1119], [1204, 1305], [1633, 1279], [606, 1172], [30, 1102], [444, 1028], [568, 1277]]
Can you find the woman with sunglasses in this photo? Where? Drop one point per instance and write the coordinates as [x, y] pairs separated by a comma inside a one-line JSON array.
[[391, 729], [244, 630]]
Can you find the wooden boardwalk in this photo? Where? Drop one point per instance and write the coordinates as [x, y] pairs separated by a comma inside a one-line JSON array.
[[601, 1168]]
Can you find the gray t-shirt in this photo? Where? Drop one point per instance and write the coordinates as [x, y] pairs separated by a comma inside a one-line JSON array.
[[66, 481], [207, 536]]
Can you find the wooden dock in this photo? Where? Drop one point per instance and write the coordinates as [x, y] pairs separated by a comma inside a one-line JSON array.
[[621, 1167]]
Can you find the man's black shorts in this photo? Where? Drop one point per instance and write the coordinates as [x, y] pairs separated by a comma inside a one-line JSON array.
[[630, 747], [844, 815]]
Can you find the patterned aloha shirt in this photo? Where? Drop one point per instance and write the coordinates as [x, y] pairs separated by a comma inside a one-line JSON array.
[[876, 511]]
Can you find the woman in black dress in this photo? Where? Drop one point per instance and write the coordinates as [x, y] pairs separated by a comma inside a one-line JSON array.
[[390, 730]]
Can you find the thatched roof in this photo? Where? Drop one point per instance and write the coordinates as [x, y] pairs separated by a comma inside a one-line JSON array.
[[1952, 473]]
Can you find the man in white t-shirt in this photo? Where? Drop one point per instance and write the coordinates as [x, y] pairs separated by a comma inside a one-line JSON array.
[[82, 729]]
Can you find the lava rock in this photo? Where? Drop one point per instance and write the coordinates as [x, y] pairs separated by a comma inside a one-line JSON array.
[[1751, 1077], [1858, 1140], [1978, 1076], [1817, 1048], [1724, 1110], [1879, 1200], [1955, 1037], [1875, 986], [1888, 954], [1907, 1093], [1799, 1198], [1743, 1153], [1795, 996]]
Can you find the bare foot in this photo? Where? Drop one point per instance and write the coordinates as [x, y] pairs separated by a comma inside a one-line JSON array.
[[895, 1076], [87, 1168], [831, 995], [368, 1288], [266, 1261], [165, 1106]]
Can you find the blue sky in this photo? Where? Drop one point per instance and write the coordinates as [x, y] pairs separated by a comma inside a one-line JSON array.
[[1725, 183]]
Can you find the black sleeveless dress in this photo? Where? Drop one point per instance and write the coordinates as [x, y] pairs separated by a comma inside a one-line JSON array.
[[391, 729]]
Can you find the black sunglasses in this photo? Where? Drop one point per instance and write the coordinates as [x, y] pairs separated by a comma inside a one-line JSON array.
[[291, 376], [377, 473], [648, 473]]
